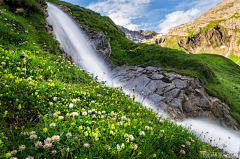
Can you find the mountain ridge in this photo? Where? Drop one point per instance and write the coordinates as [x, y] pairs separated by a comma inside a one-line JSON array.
[[215, 31], [137, 36]]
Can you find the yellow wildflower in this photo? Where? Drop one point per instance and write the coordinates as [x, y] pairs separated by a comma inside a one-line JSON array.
[[45, 130], [8, 155]]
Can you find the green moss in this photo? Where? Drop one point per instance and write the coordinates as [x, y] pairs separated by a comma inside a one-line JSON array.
[[235, 58], [201, 51], [215, 44], [238, 43], [211, 24], [236, 15], [190, 32]]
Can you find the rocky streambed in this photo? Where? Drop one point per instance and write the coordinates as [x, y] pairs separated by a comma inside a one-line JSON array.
[[179, 95]]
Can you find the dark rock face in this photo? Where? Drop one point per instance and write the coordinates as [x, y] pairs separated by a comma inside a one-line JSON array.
[[137, 36], [182, 97], [48, 28], [44, 7], [212, 38]]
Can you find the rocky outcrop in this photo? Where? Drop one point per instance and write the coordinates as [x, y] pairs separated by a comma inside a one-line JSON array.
[[44, 7], [137, 36], [19, 10], [211, 40], [100, 43], [48, 28], [65, 9], [179, 95], [214, 40]]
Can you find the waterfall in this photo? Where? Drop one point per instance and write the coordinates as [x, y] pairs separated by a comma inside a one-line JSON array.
[[75, 43]]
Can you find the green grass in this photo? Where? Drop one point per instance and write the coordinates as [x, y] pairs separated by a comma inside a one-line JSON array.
[[236, 15], [238, 42], [27, 98], [211, 24], [235, 58], [201, 51]]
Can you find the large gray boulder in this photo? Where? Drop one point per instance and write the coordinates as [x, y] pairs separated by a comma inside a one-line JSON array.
[[172, 94], [142, 80]]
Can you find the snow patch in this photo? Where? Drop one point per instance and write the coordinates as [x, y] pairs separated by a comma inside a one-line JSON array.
[[228, 52], [222, 47]]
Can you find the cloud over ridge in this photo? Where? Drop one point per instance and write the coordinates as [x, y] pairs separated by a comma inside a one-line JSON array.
[[177, 18], [122, 12]]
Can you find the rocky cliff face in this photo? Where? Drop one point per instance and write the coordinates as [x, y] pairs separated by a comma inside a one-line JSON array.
[[138, 36], [179, 95], [207, 41], [216, 31]]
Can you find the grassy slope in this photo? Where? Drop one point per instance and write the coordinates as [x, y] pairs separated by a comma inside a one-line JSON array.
[[25, 99], [220, 81]]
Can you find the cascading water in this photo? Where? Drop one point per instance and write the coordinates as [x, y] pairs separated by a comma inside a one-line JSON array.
[[74, 42]]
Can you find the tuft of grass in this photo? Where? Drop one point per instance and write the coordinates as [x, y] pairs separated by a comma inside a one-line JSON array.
[[238, 42]]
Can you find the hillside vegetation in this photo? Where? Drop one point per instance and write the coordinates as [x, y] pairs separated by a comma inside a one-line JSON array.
[[52, 109]]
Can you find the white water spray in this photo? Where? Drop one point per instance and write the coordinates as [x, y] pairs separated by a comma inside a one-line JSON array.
[[74, 42]]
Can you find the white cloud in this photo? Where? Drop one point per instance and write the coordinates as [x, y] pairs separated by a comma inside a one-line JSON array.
[[177, 18], [180, 17], [122, 12]]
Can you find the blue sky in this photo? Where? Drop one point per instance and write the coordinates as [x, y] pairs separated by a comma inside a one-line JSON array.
[[156, 15]]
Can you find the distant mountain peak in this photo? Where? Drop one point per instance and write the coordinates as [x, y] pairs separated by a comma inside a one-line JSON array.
[[138, 36]]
